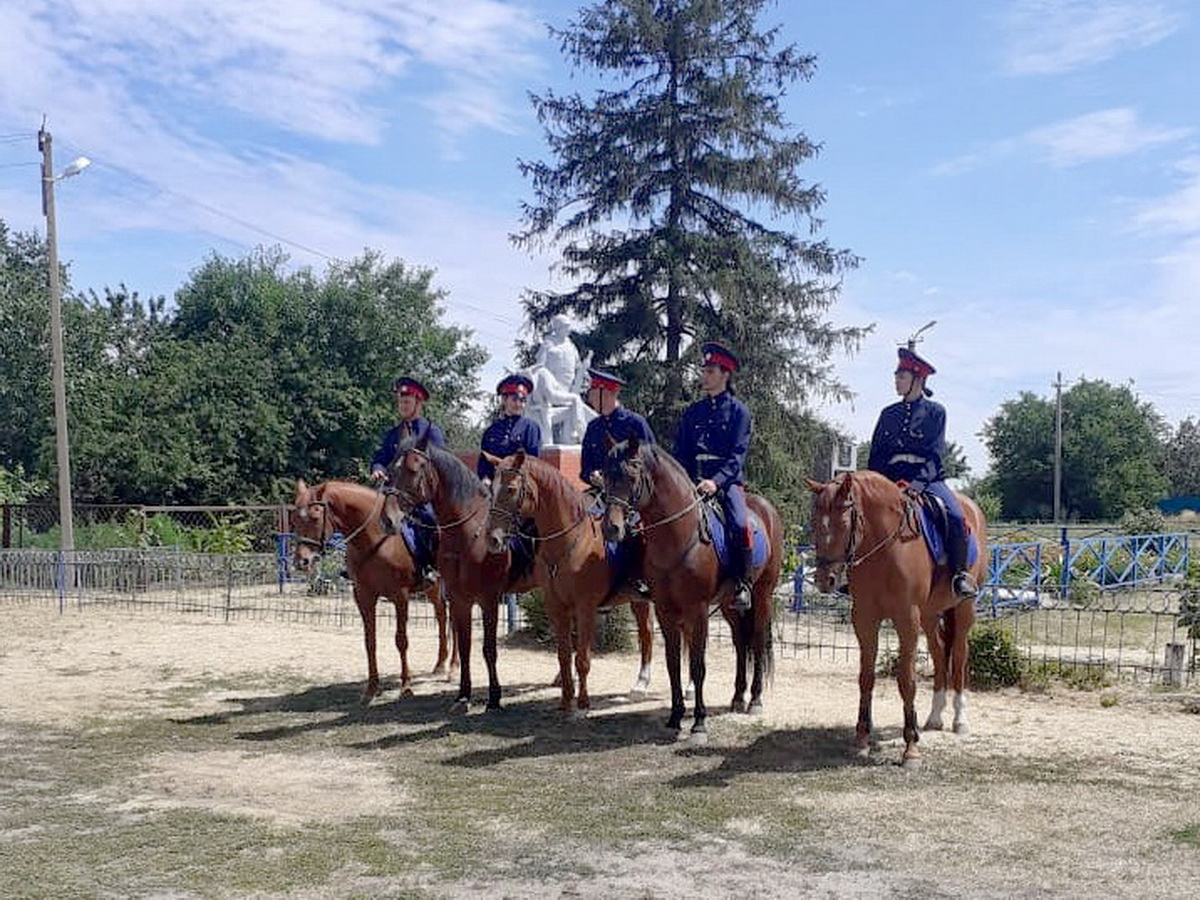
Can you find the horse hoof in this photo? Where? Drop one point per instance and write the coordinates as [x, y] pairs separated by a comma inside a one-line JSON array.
[[637, 693], [698, 738], [862, 754], [737, 706], [756, 709], [406, 691], [461, 705], [962, 728], [910, 763], [932, 725], [579, 715]]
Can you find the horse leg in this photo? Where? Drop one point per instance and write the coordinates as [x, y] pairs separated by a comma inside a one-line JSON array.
[[401, 603], [585, 630], [645, 632], [460, 615], [491, 619], [964, 618], [697, 645], [672, 645], [438, 599], [867, 632], [559, 615], [906, 678], [737, 627], [759, 640], [936, 627], [366, 610]]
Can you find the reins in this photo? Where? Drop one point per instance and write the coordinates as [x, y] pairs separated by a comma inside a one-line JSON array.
[[849, 560]]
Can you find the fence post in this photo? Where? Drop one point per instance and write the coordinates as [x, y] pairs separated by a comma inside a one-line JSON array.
[[1173, 664], [228, 585], [510, 602], [6, 536], [798, 579], [1064, 576]]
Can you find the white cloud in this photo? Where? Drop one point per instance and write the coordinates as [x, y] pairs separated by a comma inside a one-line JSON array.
[[1103, 134], [1178, 213], [1048, 37], [1098, 135]]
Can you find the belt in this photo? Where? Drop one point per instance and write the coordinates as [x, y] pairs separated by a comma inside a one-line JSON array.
[[907, 458], [707, 457]]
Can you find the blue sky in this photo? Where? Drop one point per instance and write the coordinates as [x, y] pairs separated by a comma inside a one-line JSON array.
[[1025, 172]]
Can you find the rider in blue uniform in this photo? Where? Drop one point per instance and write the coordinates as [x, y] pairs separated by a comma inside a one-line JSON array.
[[410, 397], [908, 446], [514, 430], [614, 424], [711, 443], [511, 432]]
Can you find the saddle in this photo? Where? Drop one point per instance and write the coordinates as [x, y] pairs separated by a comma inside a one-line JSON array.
[[933, 520], [714, 531]]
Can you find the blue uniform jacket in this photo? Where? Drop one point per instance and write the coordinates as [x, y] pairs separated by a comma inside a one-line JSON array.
[[417, 428], [713, 439], [909, 442], [505, 437], [620, 425]]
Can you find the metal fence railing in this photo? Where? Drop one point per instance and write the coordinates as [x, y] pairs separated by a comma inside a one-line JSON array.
[[1141, 632]]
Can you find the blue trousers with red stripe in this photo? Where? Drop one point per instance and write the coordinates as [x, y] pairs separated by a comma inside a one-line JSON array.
[[737, 530]]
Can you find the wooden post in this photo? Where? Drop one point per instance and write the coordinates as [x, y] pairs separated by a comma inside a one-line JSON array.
[[1173, 664]]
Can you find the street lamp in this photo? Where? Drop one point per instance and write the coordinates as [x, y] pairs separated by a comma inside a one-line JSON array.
[[66, 514]]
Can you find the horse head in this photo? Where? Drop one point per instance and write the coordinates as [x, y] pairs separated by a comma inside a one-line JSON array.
[[308, 520], [834, 525], [627, 486], [513, 498], [411, 478]]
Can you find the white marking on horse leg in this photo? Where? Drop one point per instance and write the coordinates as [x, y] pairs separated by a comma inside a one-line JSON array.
[[961, 726], [642, 684], [936, 708]]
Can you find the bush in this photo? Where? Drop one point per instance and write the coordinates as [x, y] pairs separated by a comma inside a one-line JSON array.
[[613, 629], [994, 658], [1143, 521]]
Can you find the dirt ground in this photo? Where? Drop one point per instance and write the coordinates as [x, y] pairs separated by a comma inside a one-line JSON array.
[[1064, 794]]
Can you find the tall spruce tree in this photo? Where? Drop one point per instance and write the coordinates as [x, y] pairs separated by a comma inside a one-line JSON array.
[[675, 199]]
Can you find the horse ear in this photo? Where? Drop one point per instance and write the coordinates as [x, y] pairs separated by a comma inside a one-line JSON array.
[[815, 486], [301, 491], [634, 445], [520, 457], [490, 457], [423, 442]]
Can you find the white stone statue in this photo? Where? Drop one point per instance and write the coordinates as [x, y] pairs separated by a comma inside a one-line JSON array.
[[559, 376]]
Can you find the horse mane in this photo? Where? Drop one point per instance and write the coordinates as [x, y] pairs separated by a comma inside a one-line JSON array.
[[559, 486], [461, 483]]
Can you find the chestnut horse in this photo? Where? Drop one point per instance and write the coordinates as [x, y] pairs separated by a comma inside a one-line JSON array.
[[570, 564], [423, 473], [684, 573], [379, 564], [866, 533]]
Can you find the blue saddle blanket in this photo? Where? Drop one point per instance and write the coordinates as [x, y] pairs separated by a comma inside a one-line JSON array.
[[933, 530], [720, 539]]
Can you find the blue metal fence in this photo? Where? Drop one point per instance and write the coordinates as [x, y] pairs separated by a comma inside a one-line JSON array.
[[1019, 573]]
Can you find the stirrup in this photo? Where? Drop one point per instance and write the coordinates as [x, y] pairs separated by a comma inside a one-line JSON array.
[[741, 597], [964, 586]]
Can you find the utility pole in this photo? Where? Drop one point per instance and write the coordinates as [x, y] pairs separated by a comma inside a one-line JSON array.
[[66, 515], [1057, 448]]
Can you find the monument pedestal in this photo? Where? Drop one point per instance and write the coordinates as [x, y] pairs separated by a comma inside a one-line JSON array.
[[563, 457]]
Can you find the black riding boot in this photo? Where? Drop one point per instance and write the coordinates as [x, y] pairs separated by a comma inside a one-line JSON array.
[[961, 582]]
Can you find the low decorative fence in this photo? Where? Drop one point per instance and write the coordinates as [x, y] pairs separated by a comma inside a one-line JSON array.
[[1142, 623]]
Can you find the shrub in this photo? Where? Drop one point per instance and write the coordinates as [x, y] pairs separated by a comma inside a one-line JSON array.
[[994, 658], [1143, 521], [612, 628]]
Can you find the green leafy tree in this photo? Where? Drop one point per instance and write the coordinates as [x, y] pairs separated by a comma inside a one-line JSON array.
[[1183, 458], [1112, 453], [26, 407], [653, 198]]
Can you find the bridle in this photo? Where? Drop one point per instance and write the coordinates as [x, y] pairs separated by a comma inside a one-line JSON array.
[[327, 523], [405, 497], [513, 516], [639, 495], [850, 558]]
